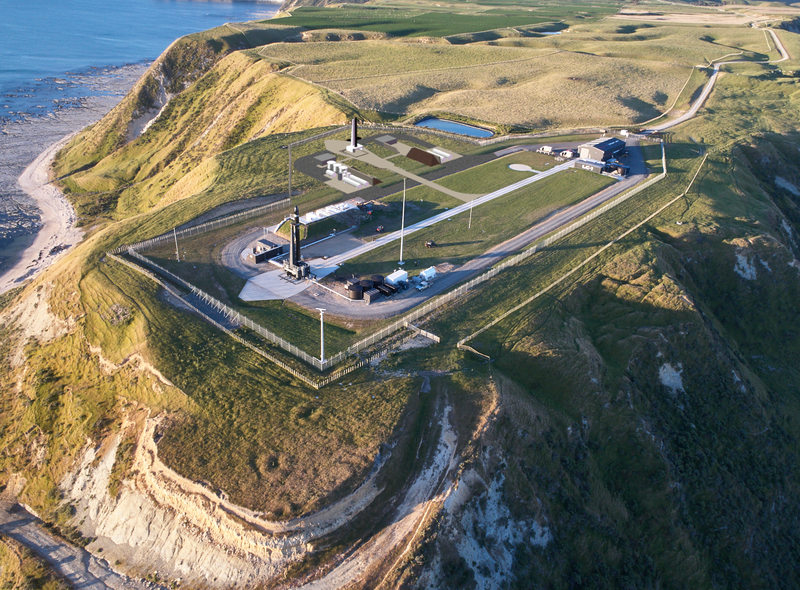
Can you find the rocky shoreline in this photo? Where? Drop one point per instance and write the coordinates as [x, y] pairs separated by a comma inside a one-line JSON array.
[[28, 146]]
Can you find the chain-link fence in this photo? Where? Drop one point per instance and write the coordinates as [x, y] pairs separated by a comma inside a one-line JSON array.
[[207, 226]]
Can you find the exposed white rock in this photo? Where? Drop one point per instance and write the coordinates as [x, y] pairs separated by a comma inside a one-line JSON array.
[[785, 184], [744, 268], [671, 377]]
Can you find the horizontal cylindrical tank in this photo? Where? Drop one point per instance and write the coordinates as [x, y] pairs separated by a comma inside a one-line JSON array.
[[377, 279]]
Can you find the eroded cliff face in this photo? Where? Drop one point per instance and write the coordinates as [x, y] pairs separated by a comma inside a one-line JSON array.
[[168, 524]]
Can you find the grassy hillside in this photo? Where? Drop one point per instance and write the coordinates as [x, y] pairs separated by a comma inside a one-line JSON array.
[[240, 99]]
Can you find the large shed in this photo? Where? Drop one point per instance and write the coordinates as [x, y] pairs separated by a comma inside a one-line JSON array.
[[602, 149]]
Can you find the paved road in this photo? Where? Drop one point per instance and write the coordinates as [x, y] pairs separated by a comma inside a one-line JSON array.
[[77, 566], [711, 81], [316, 296]]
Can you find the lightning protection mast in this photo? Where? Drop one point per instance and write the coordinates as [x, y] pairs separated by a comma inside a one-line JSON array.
[[321, 334], [402, 224]]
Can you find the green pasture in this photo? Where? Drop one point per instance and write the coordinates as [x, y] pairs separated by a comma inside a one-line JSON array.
[[404, 22], [459, 241]]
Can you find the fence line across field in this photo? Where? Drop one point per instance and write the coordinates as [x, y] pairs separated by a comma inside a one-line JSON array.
[[404, 322], [207, 226]]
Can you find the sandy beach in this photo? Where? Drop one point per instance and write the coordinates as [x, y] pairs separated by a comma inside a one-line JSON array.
[[27, 149], [58, 232]]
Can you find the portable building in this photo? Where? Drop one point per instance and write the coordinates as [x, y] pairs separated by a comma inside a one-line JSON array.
[[372, 295], [590, 165], [428, 274], [398, 276]]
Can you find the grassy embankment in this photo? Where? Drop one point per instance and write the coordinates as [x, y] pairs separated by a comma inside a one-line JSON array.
[[235, 98]]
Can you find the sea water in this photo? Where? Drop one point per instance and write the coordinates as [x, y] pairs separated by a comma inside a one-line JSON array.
[[64, 63]]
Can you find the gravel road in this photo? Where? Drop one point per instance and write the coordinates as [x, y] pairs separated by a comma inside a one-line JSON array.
[[77, 566]]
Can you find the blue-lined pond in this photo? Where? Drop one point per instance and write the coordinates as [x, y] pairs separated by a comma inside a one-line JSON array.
[[453, 127]]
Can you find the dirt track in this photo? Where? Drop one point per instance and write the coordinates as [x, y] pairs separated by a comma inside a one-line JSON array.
[[77, 566]]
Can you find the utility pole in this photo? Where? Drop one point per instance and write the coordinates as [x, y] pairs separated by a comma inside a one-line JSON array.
[[470, 213], [402, 224], [321, 334], [177, 253], [290, 170]]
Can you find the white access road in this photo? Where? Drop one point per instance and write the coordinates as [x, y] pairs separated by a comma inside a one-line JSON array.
[[271, 285]]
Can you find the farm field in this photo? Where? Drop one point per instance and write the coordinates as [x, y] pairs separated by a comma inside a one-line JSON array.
[[492, 223], [405, 22], [513, 86], [688, 45]]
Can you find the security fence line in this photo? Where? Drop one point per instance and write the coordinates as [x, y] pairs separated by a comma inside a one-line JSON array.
[[207, 226], [317, 384], [319, 136], [462, 343], [404, 322]]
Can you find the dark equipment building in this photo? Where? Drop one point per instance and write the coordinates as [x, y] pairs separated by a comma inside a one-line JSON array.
[[295, 266], [602, 149], [267, 252]]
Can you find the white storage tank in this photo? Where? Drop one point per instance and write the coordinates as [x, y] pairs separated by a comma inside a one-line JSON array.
[[398, 276], [428, 274]]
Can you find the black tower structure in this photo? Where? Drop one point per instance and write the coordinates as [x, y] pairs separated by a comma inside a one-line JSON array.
[[295, 266]]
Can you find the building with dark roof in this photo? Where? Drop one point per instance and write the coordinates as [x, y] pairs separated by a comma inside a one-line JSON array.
[[602, 149]]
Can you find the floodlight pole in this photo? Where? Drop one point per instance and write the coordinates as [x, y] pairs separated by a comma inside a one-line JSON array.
[[402, 224], [177, 253], [321, 335]]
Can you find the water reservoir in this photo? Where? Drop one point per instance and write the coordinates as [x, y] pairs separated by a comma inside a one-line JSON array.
[[453, 127]]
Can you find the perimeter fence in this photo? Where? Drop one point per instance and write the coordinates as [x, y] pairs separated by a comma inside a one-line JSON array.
[[239, 319], [207, 226]]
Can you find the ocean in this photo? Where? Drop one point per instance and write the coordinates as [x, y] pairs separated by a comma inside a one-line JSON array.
[[65, 63]]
